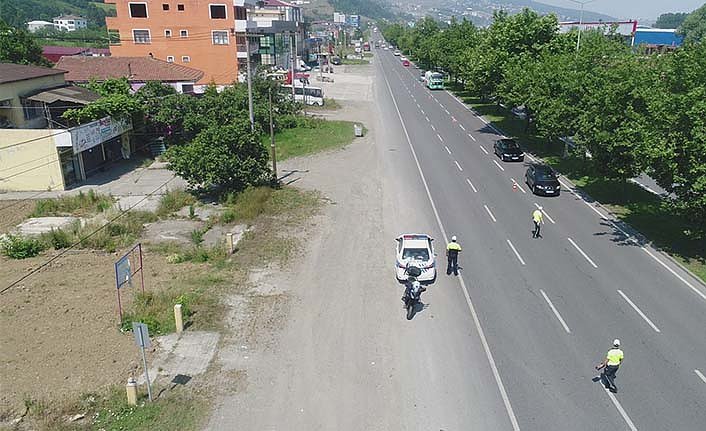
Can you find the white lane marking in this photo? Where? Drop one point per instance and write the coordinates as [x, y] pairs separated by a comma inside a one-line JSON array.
[[471, 136], [472, 186], [519, 186], [530, 156], [483, 120], [458, 166], [447, 111], [556, 312], [476, 320], [582, 252], [632, 304], [422, 111], [419, 106], [522, 261], [427, 118], [685, 281], [498, 165], [440, 138], [545, 213], [621, 410], [447, 149], [701, 376], [462, 128], [433, 128], [490, 213], [484, 150]]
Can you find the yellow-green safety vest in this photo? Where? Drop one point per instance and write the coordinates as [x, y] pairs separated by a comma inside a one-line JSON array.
[[615, 356]]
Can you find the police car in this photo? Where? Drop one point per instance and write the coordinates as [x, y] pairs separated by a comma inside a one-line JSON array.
[[415, 249]]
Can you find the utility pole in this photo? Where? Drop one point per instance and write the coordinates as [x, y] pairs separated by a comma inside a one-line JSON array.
[[273, 154], [582, 3], [250, 104], [291, 64]]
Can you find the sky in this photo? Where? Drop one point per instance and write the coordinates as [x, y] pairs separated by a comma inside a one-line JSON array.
[[649, 9]]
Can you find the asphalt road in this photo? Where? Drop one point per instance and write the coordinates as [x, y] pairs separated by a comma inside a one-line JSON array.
[[548, 308]]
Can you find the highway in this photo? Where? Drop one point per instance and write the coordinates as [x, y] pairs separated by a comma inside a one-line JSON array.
[[543, 312]]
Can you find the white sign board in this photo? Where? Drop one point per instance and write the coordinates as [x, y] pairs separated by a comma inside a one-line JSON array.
[[89, 135]]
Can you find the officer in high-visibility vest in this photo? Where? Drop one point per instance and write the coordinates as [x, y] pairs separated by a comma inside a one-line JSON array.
[[611, 363], [452, 251], [538, 219]]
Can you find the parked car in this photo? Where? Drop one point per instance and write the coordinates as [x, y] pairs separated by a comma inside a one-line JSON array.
[[336, 60], [542, 180], [508, 149], [405, 63]]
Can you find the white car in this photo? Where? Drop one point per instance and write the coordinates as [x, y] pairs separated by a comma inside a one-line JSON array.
[[397, 53], [415, 249]]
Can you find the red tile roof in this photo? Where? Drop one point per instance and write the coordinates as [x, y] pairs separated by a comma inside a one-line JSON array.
[[10, 72], [63, 50], [140, 69]]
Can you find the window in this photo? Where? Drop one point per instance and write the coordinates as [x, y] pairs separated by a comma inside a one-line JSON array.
[[32, 109], [241, 13], [220, 37], [141, 36], [70, 22], [185, 59], [218, 11], [170, 59], [187, 88], [267, 59], [180, 7], [167, 33], [265, 42], [137, 10], [165, 6], [183, 33]]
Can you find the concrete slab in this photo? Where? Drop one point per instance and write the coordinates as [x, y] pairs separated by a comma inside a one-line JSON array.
[[178, 231], [40, 225], [137, 202], [186, 354], [217, 235], [203, 213]]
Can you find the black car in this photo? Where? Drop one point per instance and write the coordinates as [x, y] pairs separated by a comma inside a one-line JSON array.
[[542, 180], [508, 149]]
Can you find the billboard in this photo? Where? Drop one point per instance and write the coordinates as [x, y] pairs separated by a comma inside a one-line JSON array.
[[624, 28], [87, 136]]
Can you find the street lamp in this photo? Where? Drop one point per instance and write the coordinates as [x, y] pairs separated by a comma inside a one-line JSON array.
[[582, 3]]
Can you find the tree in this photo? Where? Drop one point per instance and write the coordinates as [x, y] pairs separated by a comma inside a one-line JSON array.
[[671, 20], [116, 101], [18, 46], [694, 26], [226, 156]]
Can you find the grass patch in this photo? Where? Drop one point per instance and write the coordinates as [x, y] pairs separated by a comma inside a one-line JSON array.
[[175, 409], [648, 214], [173, 201], [19, 247], [354, 61], [312, 136], [329, 105], [80, 205]]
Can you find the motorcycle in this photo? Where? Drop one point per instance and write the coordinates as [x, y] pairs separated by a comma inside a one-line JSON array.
[[413, 291]]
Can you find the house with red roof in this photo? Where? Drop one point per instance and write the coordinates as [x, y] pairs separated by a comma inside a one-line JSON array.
[[137, 70]]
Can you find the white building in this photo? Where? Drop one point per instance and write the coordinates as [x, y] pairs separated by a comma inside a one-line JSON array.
[[70, 22], [33, 26]]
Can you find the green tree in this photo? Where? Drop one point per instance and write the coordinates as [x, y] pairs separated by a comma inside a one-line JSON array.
[[224, 156], [17, 46], [116, 101], [671, 20], [694, 26]]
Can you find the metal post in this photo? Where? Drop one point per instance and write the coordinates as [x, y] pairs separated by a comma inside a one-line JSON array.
[[582, 3], [272, 143], [142, 269], [250, 105], [147, 377], [291, 65]]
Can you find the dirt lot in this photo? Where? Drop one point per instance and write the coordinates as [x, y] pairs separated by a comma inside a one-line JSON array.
[[66, 319], [13, 212]]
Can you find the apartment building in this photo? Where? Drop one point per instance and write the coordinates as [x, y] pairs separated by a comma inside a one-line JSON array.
[[208, 35], [70, 22]]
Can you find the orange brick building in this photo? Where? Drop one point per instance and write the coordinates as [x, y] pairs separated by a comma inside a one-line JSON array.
[[203, 34]]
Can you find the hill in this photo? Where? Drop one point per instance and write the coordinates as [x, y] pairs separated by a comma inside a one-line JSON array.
[[18, 12], [323, 9]]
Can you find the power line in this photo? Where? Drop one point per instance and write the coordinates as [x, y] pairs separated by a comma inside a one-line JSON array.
[[81, 240]]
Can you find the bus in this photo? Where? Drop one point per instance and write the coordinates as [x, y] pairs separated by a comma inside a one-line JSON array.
[[309, 95], [434, 80]]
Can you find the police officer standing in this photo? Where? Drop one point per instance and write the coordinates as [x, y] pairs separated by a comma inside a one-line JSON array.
[[452, 251], [611, 363], [538, 221]]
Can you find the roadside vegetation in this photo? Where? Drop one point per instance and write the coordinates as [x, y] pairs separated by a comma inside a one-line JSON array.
[[638, 117], [312, 136]]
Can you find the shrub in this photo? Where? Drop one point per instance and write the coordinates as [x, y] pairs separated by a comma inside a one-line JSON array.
[[173, 201], [59, 238], [18, 247], [80, 204]]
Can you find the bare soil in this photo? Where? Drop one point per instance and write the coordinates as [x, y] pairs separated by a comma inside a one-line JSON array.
[[14, 212], [60, 332]]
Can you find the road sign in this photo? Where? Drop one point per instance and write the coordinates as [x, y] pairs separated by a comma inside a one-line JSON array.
[[142, 339], [142, 335]]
